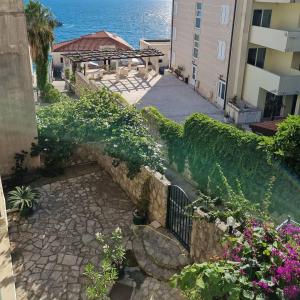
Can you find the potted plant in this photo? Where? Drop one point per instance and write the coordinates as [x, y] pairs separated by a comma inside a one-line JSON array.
[[141, 211], [25, 199]]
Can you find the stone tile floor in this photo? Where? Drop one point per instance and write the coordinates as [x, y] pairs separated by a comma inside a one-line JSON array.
[[51, 248]]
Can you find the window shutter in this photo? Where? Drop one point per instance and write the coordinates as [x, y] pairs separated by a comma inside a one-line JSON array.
[[221, 50], [175, 12], [225, 14]]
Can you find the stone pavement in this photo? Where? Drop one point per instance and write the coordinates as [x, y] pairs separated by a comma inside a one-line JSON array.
[[153, 289], [51, 248], [177, 100]]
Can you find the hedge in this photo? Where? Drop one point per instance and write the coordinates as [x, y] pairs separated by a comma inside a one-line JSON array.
[[204, 143]]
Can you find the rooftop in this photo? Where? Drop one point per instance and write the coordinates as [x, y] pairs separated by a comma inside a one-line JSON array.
[[92, 42]]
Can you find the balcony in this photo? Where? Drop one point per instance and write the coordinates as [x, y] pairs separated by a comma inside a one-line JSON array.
[[278, 84], [278, 1], [282, 40]]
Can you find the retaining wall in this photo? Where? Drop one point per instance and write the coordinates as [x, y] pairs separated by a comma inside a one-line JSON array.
[[206, 241], [133, 187]]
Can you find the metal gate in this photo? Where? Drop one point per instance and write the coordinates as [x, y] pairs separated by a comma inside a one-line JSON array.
[[180, 215]]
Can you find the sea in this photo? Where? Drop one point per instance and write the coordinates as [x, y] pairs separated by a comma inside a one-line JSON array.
[[131, 19]]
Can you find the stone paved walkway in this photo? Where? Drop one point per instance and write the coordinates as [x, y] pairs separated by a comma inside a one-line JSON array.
[[51, 248]]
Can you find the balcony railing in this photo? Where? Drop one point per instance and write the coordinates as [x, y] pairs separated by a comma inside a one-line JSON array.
[[282, 40], [277, 84]]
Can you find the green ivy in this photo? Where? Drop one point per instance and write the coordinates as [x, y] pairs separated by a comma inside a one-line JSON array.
[[245, 157], [172, 133]]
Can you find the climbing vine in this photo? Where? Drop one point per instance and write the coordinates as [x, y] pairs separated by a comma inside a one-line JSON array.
[[202, 143]]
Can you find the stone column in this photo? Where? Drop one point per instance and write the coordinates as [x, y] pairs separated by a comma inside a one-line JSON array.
[[18, 127], [156, 65]]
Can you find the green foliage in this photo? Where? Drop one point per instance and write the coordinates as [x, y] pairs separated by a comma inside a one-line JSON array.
[[204, 143], [172, 133], [234, 203], [50, 94], [97, 117], [73, 78], [101, 279], [211, 281], [23, 197], [40, 26], [67, 73], [287, 142]]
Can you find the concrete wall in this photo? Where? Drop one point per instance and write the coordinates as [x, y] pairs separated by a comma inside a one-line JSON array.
[[163, 46], [7, 282], [17, 111], [210, 68]]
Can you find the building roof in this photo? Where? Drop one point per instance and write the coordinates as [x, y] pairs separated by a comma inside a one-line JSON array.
[[92, 42]]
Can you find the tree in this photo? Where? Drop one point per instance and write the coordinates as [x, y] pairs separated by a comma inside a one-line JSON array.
[[40, 26]]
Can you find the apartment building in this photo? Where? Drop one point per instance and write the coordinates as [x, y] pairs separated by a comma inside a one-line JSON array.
[[243, 55]]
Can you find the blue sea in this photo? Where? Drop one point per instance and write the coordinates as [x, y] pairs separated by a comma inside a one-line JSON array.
[[131, 19]]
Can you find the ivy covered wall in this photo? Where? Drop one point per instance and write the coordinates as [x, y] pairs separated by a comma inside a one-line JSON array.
[[197, 146]]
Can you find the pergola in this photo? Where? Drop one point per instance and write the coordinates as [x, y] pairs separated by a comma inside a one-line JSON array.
[[106, 56], [113, 54]]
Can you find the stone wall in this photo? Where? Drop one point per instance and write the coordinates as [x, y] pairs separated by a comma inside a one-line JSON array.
[[7, 283], [82, 83], [17, 114], [206, 241], [133, 187]]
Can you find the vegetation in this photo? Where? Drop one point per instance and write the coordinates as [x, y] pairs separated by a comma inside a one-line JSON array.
[[287, 142], [234, 204], [51, 94], [96, 117], [260, 264], [101, 279], [24, 198], [40, 26], [202, 143]]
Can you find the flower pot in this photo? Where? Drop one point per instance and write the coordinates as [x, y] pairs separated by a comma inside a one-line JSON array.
[[27, 212], [139, 219]]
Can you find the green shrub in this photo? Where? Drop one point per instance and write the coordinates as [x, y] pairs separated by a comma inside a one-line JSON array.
[[96, 117], [50, 94], [287, 142], [67, 74]]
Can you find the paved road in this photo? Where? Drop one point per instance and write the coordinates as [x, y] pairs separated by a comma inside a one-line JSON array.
[[177, 100]]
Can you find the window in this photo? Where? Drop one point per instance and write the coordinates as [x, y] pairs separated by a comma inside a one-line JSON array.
[[222, 90], [61, 60], [175, 9], [225, 12], [196, 45], [198, 15], [256, 57], [221, 50], [160, 61], [174, 33], [262, 17]]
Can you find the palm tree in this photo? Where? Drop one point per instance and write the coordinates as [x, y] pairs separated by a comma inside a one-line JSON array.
[[40, 27]]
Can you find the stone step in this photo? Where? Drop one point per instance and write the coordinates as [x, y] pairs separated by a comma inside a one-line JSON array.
[[147, 265], [163, 250]]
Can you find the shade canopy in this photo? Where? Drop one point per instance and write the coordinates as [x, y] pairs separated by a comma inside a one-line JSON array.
[[112, 54]]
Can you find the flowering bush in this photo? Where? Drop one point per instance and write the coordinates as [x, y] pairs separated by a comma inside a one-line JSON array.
[[103, 277], [261, 263], [269, 259]]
